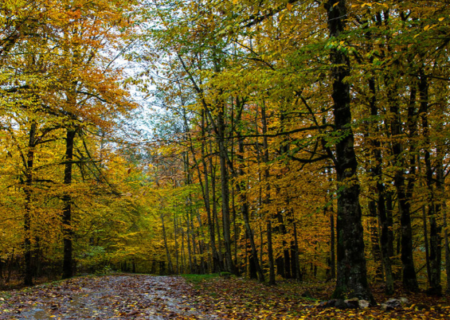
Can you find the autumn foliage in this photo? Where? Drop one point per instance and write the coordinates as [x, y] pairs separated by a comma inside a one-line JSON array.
[[282, 140]]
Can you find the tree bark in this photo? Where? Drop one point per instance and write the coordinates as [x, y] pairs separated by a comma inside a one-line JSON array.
[[169, 259], [67, 211], [404, 189], [386, 241], [224, 179], [28, 276], [351, 265], [267, 201], [245, 213], [433, 207]]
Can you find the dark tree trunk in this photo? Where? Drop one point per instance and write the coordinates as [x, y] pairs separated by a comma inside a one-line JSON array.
[[283, 262], [351, 265], [169, 259], [280, 266], [205, 192], [267, 200], [330, 211], [332, 247], [214, 209], [245, 213], [374, 240], [390, 223], [250, 259], [28, 277], [224, 179], [270, 253], [298, 274], [386, 241], [67, 212], [409, 273], [403, 190], [434, 207]]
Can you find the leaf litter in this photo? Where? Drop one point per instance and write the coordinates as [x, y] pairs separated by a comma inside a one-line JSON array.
[[125, 296]]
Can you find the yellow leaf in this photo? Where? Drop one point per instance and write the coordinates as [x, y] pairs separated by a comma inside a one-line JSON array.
[[289, 6], [440, 19], [426, 28]]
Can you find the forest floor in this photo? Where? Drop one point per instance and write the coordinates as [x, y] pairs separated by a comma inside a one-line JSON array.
[[128, 296]]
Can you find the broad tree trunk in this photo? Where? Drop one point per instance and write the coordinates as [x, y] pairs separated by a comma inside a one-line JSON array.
[[351, 265]]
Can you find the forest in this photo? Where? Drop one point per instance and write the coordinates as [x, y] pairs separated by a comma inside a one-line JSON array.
[[276, 140]]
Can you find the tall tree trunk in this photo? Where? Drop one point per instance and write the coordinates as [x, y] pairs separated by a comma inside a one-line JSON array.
[[183, 253], [267, 201], [386, 241], [390, 222], [425, 230], [224, 179], [188, 238], [351, 270], [225, 190], [240, 188], [214, 209], [373, 230], [298, 274], [28, 276], [169, 259], [205, 190], [443, 199], [330, 211], [403, 189], [447, 248], [332, 247], [433, 207], [177, 267], [67, 212]]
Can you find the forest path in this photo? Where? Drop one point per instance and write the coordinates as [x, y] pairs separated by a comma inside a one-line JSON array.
[[107, 297]]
